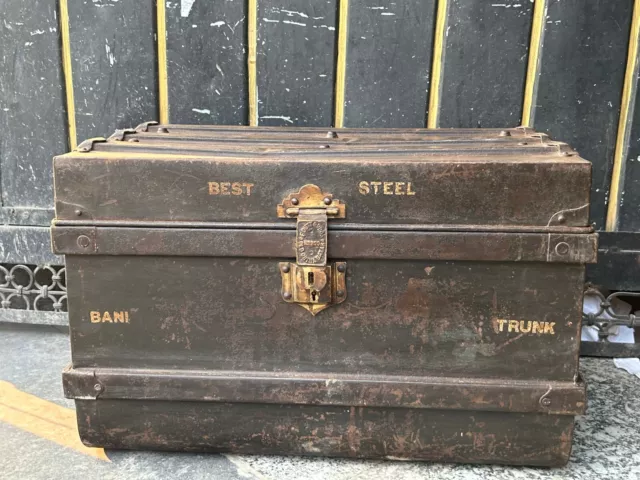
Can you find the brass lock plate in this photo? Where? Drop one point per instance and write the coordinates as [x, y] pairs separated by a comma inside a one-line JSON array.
[[314, 288], [310, 282]]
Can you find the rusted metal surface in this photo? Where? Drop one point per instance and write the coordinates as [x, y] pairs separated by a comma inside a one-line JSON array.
[[453, 263], [356, 432], [450, 189], [401, 317]]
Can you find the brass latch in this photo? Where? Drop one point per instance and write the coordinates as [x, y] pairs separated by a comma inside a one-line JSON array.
[[310, 282]]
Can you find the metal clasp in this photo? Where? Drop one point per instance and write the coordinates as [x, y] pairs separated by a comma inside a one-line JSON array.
[[310, 282]]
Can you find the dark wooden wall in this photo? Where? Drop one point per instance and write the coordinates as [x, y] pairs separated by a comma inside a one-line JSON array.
[[566, 67]]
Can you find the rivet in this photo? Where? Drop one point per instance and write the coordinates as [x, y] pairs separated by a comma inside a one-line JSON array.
[[83, 241], [324, 146], [561, 218], [326, 200], [342, 268], [545, 402], [286, 269], [163, 130], [523, 143], [505, 133], [133, 140], [332, 134], [78, 212], [340, 293], [287, 295], [562, 248], [295, 201], [97, 387]]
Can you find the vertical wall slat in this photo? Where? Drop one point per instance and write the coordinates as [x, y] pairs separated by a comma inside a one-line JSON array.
[[296, 62], [435, 90], [533, 67], [67, 71], [625, 126], [113, 54], [485, 63], [581, 78], [341, 62], [207, 61], [32, 111], [163, 80], [252, 60], [388, 63]]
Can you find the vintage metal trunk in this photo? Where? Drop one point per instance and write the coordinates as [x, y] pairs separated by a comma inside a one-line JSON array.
[[399, 294]]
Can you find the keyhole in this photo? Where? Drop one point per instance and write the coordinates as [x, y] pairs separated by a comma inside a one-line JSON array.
[[314, 295], [310, 278]]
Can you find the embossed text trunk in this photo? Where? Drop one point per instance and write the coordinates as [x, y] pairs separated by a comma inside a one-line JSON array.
[[398, 294]]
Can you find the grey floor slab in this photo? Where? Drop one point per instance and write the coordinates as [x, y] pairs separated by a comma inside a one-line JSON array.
[[606, 446]]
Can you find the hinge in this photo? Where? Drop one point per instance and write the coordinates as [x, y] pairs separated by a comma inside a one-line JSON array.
[[144, 127], [87, 145]]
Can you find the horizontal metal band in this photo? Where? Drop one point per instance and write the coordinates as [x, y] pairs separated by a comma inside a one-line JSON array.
[[448, 393], [333, 225], [475, 132], [414, 245]]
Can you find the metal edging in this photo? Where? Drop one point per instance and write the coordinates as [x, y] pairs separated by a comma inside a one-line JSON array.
[[435, 90], [68, 73], [341, 63], [624, 123], [533, 67], [361, 245], [339, 389], [252, 47], [163, 81]]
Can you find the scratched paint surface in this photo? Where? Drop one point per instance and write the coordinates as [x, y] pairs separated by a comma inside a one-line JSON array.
[[629, 220], [114, 64], [581, 75], [295, 64], [32, 114], [485, 63], [207, 61], [388, 63]]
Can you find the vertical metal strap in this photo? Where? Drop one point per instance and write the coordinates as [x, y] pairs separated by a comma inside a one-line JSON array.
[[68, 74], [624, 123], [252, 47], [435, 89], [533, 68], [163, 81], [341, 62]]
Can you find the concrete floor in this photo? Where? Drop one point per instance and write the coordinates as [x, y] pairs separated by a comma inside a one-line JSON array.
[[38, 438]]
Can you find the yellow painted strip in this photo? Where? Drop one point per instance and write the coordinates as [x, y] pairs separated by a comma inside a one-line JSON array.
[[533, 68], [435, 90], [623, 122], [68, 74], [341, 66], [44, 419], [163, 81], [252, 40]]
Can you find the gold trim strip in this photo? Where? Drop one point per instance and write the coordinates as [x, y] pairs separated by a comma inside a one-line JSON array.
[[68, 73], [163, 79], [252, 41], [628, 92], [533, 67], [435, 90], [341, 63]]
